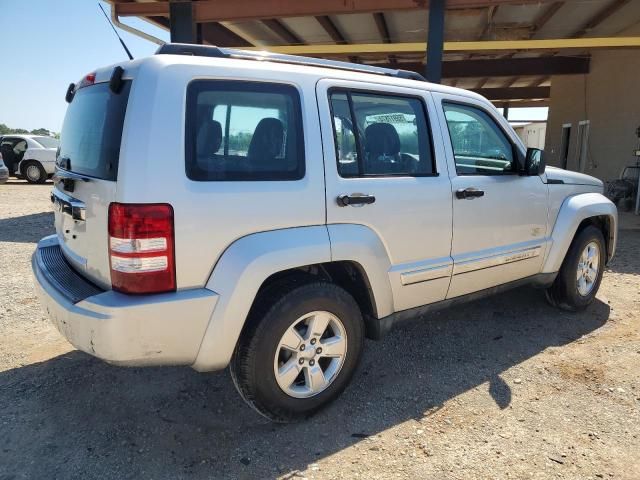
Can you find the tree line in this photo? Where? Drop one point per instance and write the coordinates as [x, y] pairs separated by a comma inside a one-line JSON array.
[[5, 130]]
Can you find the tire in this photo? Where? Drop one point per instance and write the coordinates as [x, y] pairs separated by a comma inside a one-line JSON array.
[[260, 353], [567, 291], [33, 172]]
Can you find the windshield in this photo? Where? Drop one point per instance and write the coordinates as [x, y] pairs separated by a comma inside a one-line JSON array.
[[47, 142], [92, 131]]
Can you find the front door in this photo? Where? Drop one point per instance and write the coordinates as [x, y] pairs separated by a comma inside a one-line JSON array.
[[385, 173], [499, 216]]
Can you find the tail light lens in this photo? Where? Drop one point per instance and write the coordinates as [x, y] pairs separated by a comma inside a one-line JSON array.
[[141, 248]]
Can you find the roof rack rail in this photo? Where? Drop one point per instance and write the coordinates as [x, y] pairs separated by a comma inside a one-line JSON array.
[[221, 52]]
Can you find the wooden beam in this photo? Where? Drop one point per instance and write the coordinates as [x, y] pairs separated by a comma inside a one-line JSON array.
[[512, 67], [539, 81], [282, 31], [482, 83], [542, 20], [520, 104], [491, 12], [331, 29], [161, 22], [381, 25], [216, 34], [600, 17], [217, 11], [514, 93], [511, 82], [493, 45]]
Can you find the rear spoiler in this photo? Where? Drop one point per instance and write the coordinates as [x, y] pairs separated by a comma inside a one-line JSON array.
[[115, 83]]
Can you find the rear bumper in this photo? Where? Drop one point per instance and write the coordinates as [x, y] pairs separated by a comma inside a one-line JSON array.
[[133, 330]]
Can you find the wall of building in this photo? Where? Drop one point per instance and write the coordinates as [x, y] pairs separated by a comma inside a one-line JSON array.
[[532, 134], [609, 99]]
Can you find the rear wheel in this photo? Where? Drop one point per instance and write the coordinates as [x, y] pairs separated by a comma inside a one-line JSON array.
[[579, 278], [299, 351], [34, 172]]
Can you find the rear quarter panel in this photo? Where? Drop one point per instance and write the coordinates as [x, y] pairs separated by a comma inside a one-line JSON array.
[[209, 216]]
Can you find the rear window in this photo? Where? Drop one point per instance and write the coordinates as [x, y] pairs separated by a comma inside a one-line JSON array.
[[47, 142], [243, 131], [92, 131]]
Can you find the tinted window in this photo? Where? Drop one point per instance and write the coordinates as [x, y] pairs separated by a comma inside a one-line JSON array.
[[243, 131], [380, 135], [480, 147], [92, 131]]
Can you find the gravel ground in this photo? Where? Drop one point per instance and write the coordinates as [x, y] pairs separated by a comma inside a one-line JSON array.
[[502, 388]]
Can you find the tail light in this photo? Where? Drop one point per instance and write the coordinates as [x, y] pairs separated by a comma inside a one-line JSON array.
[[141, 248]]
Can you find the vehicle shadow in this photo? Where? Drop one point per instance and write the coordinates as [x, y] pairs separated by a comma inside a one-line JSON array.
[[26, 228], [626, 258], [18, 181], [75, 416]]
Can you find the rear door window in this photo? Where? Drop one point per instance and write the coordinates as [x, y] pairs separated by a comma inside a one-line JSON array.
[[243, 131], [92, 131], [380, 135]]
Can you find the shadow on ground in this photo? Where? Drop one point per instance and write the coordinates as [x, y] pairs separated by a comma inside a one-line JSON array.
[[626, 258], [76, 417], [26, 228]]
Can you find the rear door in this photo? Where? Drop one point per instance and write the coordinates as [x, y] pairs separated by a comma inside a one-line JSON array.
[[87, 165], [384, 171], [499, 216]]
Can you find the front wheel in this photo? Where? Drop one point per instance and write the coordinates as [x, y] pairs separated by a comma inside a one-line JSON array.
[[34, 172], [579, 278], [298, 352]]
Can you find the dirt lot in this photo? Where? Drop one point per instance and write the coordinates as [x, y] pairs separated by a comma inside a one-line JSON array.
[[503, 388]]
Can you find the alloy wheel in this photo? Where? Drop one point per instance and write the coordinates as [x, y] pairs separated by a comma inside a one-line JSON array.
[[310, 354]]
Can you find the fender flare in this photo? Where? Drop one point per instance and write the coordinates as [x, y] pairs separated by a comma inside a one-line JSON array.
[[250, 260], [360, 244], [573, 212], [238, 275]]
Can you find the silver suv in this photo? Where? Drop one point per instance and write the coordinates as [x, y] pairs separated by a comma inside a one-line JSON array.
[[217, 207]]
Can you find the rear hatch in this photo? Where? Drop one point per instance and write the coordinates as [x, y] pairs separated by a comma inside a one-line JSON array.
[[86, 175]]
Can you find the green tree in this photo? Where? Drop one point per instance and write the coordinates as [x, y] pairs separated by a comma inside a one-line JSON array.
[[41, 131]]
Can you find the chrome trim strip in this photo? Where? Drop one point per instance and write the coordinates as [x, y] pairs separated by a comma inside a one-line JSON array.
[[426, 274], [497, 260]]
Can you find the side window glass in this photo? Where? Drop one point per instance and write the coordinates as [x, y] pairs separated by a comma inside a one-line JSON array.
[[480, 147], [380, 135], [346, 150], [247, 131]]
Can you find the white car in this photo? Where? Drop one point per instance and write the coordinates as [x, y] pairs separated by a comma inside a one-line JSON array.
[[215, 207], [32, 157], [4, 171]]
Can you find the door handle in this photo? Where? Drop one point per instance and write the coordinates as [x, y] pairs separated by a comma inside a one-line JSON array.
[[355, 199], [469, 193]]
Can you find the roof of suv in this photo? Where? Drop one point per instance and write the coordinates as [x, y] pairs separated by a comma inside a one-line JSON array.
[[201, 55]]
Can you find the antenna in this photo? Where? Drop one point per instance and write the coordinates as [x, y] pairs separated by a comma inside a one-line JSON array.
[[116, 32]]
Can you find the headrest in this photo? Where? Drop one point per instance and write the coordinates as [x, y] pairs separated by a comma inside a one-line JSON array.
[[267, 139], [381, 138], [209, 137]]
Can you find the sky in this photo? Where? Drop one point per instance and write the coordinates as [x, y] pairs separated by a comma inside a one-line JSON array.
[[48, 44]]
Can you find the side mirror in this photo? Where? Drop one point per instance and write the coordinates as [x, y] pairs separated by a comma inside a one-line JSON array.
[[534, 163]]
